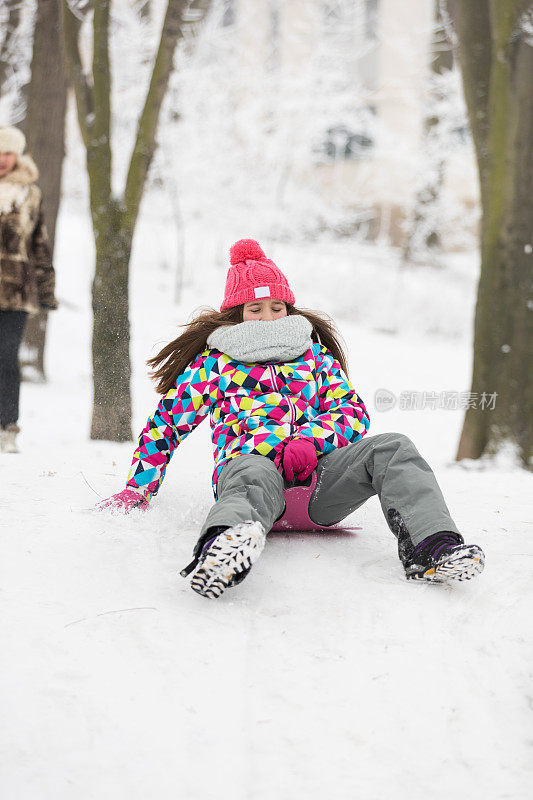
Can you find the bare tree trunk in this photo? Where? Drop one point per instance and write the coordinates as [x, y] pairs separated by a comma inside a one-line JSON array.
[[111, 330], [47, 103], [497, 66], [114, 220], [45, 132]]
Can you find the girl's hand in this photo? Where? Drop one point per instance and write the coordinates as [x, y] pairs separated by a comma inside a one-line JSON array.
[[298, 459], [123, 502]]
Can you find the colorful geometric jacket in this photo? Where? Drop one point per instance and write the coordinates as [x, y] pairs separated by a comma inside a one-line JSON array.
[[253, 408]]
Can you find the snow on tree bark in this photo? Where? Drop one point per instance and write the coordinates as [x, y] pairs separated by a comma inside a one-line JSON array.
[[114, 219], [497, 64]]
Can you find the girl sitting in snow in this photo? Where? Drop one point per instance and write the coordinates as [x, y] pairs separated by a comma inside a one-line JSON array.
[[273, 380]]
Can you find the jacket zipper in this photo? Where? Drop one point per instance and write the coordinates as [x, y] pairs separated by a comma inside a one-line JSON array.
[[293, 414], [273, 378]]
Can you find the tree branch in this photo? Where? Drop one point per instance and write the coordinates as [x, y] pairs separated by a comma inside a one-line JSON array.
[[82, 91], [145, 144], [99, 149]]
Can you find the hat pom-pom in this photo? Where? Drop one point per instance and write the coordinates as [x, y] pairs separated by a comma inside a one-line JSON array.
[[245, 249]]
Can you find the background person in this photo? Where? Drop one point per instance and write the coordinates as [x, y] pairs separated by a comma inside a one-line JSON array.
[[27, 277]]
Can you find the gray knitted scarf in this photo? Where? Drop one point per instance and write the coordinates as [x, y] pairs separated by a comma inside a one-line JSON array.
[[255, 341]]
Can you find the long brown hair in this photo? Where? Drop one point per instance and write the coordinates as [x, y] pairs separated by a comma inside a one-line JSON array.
[[176, 355]]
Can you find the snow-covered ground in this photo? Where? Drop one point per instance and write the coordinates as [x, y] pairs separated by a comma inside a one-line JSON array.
[[325, 674]]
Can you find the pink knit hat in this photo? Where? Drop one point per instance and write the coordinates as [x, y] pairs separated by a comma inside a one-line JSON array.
[[253, 276]]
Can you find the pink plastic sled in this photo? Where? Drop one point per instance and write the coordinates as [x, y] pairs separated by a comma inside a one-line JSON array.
[[296, 516]]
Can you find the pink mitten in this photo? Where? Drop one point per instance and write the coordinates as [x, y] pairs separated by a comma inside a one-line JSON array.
[[123, 502], [298, 459]]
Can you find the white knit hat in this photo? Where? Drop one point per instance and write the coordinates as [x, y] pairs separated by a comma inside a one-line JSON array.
[[12, 141]]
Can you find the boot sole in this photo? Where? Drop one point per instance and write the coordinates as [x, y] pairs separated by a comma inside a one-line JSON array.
[[233, 551], [463, 565]]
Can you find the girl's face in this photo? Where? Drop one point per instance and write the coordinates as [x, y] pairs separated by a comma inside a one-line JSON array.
[[7, 162], [265, 310]]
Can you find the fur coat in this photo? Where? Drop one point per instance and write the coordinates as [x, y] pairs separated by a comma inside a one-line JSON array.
[[27, 276]]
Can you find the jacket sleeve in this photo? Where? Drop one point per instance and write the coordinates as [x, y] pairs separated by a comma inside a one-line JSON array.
[[179, 412], [342, 417], [41, 257]]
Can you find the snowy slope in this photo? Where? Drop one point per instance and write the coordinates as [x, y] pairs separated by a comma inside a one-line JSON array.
[[324, 674]]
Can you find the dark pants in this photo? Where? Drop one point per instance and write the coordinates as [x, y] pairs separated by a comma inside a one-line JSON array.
[[387, 465], [11, 329]]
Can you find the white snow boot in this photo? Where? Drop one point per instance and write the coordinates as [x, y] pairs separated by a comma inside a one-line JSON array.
[[227, 558], [444, 557], [8, 438]]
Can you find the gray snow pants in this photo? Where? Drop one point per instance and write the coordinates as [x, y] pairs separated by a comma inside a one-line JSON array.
[[388, 464]]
